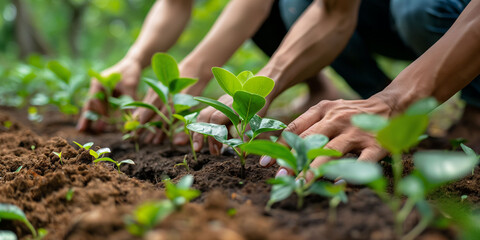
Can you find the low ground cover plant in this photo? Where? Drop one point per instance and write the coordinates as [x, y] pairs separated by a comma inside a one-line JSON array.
[[167, 86], [14, 213], [248, 93], [149, 214], [433, 168], [298, 160]]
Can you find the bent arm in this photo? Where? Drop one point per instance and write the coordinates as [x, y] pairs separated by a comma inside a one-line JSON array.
[[161, 29], [444, 69], [312, 43]]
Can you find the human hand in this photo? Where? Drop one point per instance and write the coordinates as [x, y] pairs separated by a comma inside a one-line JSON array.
[[332, 119], [130, 70]]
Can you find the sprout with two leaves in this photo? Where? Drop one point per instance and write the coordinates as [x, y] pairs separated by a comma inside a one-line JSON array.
[[99, 157]]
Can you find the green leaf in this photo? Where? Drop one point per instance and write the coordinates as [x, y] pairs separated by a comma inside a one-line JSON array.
[[247, 104], [165, 68], [274, 150], [412, 187], [112, 80], [58, 154], [179, 84], [60, 71], [102, 151], [160, 89], [131, 125], [185, 182], [7, 235], [468, 150], [219, 132], [260, 125], [298, 144], [227, 81], [147, 215], [259, 85], [233, 142], [12, 212], [94, 154], [127, 161], [369, 122], [313, 153], [441, 166], [353, 171], [244, 76], [69, 194], [143, 105], [191, 118], [122, 100], [422, 107], [182, 102], [220, 107], [282, 188], [105, 159], [315, 141], [402, 133], [326, 189], [19, 169]]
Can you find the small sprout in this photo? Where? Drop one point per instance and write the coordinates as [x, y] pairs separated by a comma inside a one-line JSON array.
[[463, 198], [248, 93], [12, 212], [69, 194], [33, 115], [85, 146], [59, 155], [7, 124], [19, 169], [118, 164], [181, 193], [231, 212], [32, 147], [184, 163]]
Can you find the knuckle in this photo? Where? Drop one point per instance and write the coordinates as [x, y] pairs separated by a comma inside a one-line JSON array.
[[292, 127]]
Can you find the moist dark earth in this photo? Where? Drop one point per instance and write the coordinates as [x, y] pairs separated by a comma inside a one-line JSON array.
[[102, 196]]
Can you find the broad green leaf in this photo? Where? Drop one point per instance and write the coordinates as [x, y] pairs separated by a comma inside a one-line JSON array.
[[274, 150], [12, 212], [102, 151], [412, 187], [315, 141], [282, 188], [244, 76], [227, 80], [422, 107], [7, 235], [220, 107], [219, 132], [260, 125], [179, 84], [182, 102], [94, 154], [122, 100], [191, 118], [143, 105], [259, 85], [353, 171], [131, 125], [233, 142], [180, 117], [160, 89], [402, 133], [369, 122], [247, 104], [441, 166], [313, 153], [127, 161], [165, 68], [60, 71], [298, 144]]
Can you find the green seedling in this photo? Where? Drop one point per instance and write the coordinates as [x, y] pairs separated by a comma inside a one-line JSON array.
[[188, 119], [248, 93], [433, 168], [12, 212], [99, 157], [304, 152], [184, 163], [59, 155], [469, 152], [149, 214], [33, 115], [33, 147], [463, 198], [69, 194], [168, 86], [131, 127], [85, 146], [65, 97], [19, 169]]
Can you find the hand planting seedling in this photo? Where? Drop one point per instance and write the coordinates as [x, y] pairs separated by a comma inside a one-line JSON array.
[[59, 155], [99, 157], [85, 146], [168, 86], [248, 93], [149, 214], [12, 212], [304, 151], [434, 168]]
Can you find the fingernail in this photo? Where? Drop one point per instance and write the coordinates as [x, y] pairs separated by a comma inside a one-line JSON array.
[[265, 160], [281, 172], [196, 145], [340, 182]]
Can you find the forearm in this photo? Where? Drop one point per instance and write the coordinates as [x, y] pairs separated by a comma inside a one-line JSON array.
[[447, 67], [238, 22], [315, 40], [161, 29]]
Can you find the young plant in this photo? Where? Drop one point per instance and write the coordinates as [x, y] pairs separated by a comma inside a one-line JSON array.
[[12, 212], [99, 157], [168, 86], [304, 151], [434, 168], [69, 194], [131, 127], [184, 163], [248, 93], [85, 146], [59, 155], [149, 214], [188, 119]]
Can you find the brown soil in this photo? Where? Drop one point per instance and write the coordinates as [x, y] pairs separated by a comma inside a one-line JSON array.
[[102, 196]]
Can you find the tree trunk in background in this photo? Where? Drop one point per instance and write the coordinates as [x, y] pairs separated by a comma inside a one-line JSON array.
[[28, 38]]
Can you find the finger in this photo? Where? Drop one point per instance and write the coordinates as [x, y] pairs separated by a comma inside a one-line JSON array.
[[306, 120], [83, 123], [180, 139], [214, 146], [372, 154], [284, 172], [327, 129]]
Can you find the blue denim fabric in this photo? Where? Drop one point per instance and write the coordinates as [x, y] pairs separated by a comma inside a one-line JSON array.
[[401, 29]]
